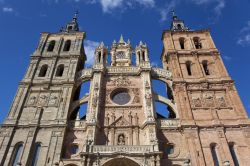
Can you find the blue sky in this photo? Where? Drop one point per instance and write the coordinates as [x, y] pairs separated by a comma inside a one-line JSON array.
[[105, 20]]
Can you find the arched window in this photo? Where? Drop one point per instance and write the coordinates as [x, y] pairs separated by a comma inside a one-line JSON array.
[[143, 55], [36, 154], [233, 154], [16, 154], [179, 26], [205, 67], [43, 71], [51, 46], [67, 45], [182, 43], [170, 149], [99, 57], [74, 149], [188, 66], [197, 43], [214, 154], [59, 71]]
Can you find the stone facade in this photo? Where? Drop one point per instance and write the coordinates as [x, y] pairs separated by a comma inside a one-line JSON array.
[[207, 123]]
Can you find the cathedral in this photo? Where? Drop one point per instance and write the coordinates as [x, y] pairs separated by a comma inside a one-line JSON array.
[[206, 122]]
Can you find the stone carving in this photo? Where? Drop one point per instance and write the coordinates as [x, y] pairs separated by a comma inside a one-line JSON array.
[[130, 117], [157, 72], [221, 102], [42, 100], [148, 98], [196, 101], [136, 95], [136, 119], [32, 100], [107, 119], [121, 81], [152, 136], [127, 148], [53, 100], [208, 100], [129, 70], [121, 140]]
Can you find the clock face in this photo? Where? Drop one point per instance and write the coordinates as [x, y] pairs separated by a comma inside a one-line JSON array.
[[120, 55]]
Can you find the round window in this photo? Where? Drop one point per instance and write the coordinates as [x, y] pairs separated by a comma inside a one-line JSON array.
[[121, 97]]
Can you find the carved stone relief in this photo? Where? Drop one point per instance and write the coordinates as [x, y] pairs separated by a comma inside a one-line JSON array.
[[120, 81]]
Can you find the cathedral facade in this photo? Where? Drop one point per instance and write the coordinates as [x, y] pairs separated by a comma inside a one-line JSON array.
[[206, 125]]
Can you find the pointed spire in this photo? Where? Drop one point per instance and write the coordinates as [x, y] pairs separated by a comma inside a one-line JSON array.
[[121, 39]]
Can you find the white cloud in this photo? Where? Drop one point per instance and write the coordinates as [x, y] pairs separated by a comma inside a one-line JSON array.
[[167, 9], [219, 4], [7, 9], [90, 47], [244, 38], [227, 58], [109, 5]]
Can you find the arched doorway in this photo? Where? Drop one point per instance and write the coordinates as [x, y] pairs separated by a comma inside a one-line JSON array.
[[121, 162]]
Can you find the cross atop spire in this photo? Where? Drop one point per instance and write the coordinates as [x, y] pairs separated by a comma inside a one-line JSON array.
[[177, 24], [174, 15]]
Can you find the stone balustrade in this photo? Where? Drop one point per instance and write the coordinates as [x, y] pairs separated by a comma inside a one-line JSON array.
[[122, 148], [168, 123], [157, 72]]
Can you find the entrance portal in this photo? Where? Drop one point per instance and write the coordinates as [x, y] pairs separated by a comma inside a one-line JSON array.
[[121, 162]]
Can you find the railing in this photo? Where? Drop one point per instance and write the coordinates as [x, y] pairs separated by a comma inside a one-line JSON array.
[[157, 72], [122, 148], [168, 123]]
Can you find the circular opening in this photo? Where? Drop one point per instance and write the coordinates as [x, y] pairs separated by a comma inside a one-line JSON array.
[[121, 97]]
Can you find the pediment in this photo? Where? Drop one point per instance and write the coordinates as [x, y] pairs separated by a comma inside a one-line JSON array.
[[120, 122]]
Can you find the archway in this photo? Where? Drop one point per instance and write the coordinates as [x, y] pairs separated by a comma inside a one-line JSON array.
[[121, 162]]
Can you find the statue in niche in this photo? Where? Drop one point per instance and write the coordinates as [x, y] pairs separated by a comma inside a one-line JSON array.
[[107, 119], [136, 119], [121, 139], [148, 97], [130, 117], [113, 116]]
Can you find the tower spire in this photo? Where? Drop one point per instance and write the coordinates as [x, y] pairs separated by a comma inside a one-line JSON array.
[[121, 39]]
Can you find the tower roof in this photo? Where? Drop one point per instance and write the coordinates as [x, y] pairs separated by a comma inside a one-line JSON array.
[[177, 24], [72, 26]]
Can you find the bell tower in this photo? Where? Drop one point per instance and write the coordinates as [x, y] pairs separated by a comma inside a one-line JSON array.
[[38, 116], [204, 93]]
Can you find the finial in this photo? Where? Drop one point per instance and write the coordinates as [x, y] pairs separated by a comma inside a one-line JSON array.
[[114, 41], [121, 39], [76, 15], [141, 43], [174, 15], [128, 41], [102, 44]]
